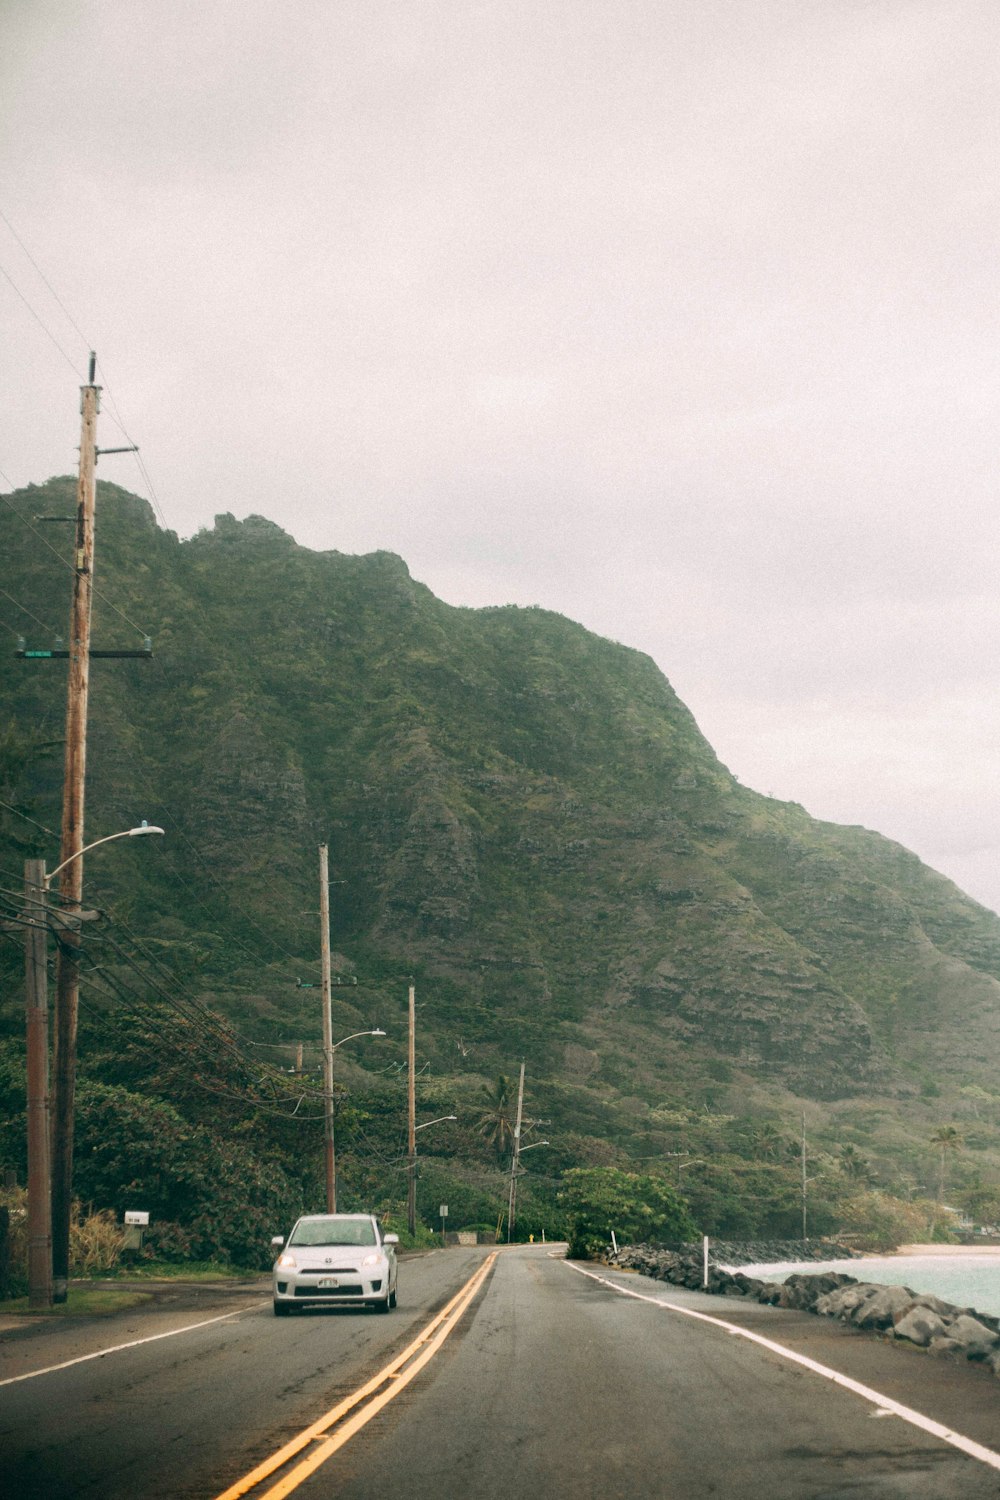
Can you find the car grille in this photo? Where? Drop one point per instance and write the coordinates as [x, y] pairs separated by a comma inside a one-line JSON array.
[[328, 1291]]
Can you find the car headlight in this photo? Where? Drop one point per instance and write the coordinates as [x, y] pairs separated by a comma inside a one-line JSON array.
[[372, 1259], [287, 1262]]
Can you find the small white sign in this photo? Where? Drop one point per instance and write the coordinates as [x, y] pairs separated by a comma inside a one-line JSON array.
[[443, 1211], [136, 1216]]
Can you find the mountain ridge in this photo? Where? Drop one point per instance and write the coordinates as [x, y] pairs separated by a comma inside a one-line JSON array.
[[524, 815]]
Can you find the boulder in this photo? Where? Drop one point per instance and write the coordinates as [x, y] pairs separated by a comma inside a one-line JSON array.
[[802, 1290], [880, 1311], [976, 1340], [843, 1301], [944, 1310], [944, 1345], [919, 1325], [744, 1286]]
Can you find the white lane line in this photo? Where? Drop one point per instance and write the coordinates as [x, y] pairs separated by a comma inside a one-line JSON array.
[[886, 1405], [117, 1348]]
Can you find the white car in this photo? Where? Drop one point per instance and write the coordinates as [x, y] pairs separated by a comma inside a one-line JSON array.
[[335, 1260]]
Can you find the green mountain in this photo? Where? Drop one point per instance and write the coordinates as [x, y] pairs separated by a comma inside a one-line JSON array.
[[520, 814]]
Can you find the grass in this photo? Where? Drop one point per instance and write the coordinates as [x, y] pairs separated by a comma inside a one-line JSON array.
[[93, 1300], [81, 1301], [182, 1270]]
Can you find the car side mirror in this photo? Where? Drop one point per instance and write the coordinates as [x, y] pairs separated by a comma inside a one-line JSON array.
[[391, 1239], [277, 1240]]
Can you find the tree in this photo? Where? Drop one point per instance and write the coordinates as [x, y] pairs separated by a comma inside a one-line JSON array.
[[854, 1165], [948, 1139], [597, 1200], [766, 1140], [496, 1122], [876, 1221]]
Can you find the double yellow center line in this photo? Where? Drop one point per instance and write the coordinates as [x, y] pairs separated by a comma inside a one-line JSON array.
[[332, 1431]]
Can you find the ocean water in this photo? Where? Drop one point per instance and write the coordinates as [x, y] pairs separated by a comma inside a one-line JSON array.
[[969, 1279]]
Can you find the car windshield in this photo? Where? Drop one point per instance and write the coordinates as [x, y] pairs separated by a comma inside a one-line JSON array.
[[334, 1232]]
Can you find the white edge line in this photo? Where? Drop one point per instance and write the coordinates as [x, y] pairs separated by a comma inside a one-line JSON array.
[[117, 1348], [884, 1403]]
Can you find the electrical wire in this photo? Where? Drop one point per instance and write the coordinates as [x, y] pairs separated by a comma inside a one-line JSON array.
[[40, 321], [196, 1018], [185, 1055], [34, 821], [24, 608], [68, 564], [88, 344], [42, 276]]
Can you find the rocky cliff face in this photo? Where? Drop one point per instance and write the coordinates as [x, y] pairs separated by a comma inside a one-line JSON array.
[[522, 812]]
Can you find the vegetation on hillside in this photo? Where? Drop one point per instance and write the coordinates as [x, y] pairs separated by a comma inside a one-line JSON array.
[[525, 819]]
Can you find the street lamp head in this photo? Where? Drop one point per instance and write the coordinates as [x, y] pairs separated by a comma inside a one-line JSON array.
[[377, 1032], [126, 833], [440, 1120]]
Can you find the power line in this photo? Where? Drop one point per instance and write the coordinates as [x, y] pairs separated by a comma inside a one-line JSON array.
[[116, 416], [42, 276], [25, 610], [67, 563], [40, 321]]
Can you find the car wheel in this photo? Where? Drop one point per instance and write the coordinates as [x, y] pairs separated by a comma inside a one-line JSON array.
[[282, 1309], [392, 1297]]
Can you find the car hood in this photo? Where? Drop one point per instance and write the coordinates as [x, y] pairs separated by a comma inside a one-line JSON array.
[[332, 1257]]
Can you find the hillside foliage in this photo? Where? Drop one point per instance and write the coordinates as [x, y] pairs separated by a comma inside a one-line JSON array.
[[524, 818]]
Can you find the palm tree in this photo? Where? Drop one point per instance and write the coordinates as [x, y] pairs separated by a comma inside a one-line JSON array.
[[854, 1165], [947, 1138], [766, 1140], [496, 1122]]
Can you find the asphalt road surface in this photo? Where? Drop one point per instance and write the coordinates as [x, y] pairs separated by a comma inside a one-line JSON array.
[[500, 1374]]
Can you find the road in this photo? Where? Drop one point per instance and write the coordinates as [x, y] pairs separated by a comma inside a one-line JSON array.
[[541, 1377]]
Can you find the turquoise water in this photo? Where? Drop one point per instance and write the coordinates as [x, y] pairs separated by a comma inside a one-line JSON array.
[[968, 1280]]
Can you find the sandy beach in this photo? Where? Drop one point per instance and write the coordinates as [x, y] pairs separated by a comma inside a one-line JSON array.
[[953, 1250]]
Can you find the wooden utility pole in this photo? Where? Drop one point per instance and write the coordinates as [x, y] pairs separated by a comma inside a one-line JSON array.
[[805, 1182], [411, 1118], [39, 1180], [512, 1196], [71, 882], [324, 937]]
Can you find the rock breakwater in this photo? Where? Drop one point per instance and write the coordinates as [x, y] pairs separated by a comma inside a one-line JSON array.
[[898, 1312]]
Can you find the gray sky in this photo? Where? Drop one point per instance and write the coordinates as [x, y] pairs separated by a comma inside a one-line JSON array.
[[680, 318]]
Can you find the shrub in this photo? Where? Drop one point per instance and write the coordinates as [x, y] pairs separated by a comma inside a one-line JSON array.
[[877, 1221], [96, 1240], [598, 1200], [15, 1201]]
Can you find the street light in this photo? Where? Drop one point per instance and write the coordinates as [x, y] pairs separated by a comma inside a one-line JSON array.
[[331, 1150], [49, 1201], [411, 1165], [126, 833], [515, 1172], [428, 1123]]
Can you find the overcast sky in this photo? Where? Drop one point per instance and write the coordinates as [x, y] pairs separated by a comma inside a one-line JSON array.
[[679, 317]]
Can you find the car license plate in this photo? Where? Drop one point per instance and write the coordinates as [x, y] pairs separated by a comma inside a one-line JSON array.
[[327, 1281]]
